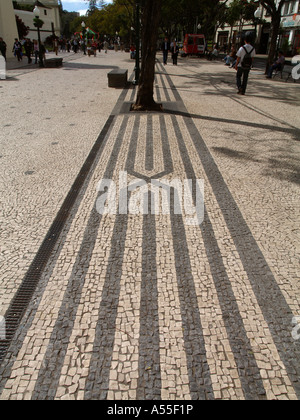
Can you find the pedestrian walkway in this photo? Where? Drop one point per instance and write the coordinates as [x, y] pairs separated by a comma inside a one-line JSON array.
[[15, 67], [152, 306]]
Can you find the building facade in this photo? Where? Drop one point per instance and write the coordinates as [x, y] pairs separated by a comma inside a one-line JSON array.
[[50, 15], [289, 38], [8, 26], [290, 23]]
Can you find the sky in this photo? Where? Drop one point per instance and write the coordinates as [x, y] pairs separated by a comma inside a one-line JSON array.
[[80, 6]]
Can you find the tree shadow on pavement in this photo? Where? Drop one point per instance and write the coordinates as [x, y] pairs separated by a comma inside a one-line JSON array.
[[236, 154], [294, 131], [283, 168], [219, 84], [283, 165]]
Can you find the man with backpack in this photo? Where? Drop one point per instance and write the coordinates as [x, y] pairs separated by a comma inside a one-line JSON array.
[[244, 63], [17, 49]]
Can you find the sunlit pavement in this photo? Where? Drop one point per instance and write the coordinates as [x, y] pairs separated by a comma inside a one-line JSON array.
[[132, 304]]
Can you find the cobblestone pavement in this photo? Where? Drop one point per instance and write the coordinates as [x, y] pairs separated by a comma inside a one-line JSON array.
[[148, 306]]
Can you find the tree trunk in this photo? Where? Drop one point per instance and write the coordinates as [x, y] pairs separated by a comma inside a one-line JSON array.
[[276, 19], [150, 21]]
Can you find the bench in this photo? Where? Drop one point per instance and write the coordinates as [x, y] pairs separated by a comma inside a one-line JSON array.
[[286, 69], [53, 62], [117, 78]]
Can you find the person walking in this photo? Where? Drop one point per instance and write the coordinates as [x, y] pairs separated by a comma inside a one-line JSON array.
[[17, 49], [35, 50], [94, 47], [3, 48], [43, 53], [83, 46], [165, 47], [105, 45], [116, 45], [28, 50], [63, 45], [55, 46], [75, 46], [244, 64], [89, 47], [174, 52]]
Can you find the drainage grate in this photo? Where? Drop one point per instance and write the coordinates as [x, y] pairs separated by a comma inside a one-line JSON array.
[[25, 292]]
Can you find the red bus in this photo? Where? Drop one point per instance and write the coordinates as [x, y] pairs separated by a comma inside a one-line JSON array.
[[194, 44]]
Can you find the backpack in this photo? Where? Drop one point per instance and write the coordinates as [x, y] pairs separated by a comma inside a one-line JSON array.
[[247, 60]]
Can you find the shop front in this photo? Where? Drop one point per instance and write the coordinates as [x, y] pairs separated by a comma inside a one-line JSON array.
[[223, 40], [296, 45], [291, 33]]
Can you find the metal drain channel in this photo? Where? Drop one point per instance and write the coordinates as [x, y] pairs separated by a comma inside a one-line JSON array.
[[25, 291]]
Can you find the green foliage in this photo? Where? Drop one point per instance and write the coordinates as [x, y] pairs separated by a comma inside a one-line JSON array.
[[248, 10], [23, 30], [108, 19], [177, 17], [38, 23], [26, 7], [240, 10], [67, 19], [186, 15], [92, 6], [233, 13], [75, 25]]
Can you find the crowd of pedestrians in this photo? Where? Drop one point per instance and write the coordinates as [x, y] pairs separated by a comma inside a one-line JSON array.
[[26, 47], [241, 60], [30, 48]]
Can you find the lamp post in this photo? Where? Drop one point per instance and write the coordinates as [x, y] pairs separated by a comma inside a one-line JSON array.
[[38, 23], [131, 34], [258, 14], [137, 55], [83, 36]]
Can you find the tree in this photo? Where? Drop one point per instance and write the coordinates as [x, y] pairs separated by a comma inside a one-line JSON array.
[[92, 6], [248, 9], [75, 25], [67, 19], [232, 15], [102, 4], [150, 22], [214, 17], [176, 14], [172, 17], [185, 15], [27, 7], [112, 18], [240, 11], [275, 9], [23, 30]]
